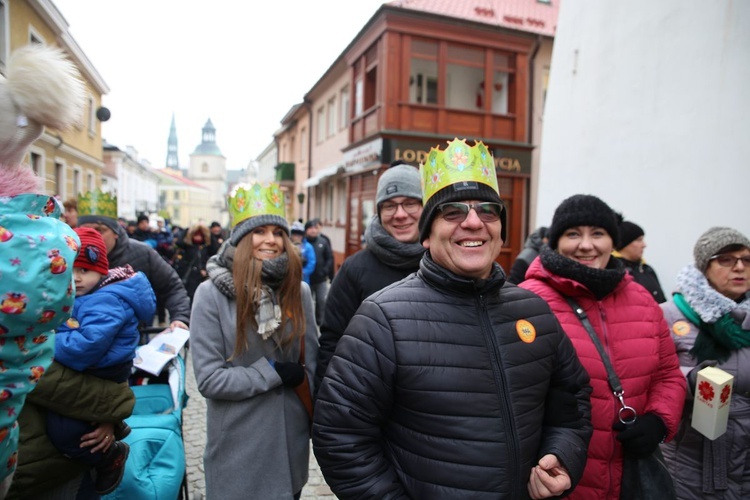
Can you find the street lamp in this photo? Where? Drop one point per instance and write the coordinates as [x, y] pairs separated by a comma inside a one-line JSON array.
[[301, 198]]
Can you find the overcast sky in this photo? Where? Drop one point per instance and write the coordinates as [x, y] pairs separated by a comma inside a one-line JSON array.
[[242, 64]]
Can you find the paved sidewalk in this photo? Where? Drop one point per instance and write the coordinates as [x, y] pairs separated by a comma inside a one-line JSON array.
[[194, 435]]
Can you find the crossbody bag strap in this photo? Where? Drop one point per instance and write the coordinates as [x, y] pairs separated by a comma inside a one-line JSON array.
[[614, 380]]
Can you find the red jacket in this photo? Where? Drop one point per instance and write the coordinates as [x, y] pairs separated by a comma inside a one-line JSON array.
[[631, 327]]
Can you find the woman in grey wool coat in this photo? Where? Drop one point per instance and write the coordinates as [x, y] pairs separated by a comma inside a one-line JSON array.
[[249, 321]]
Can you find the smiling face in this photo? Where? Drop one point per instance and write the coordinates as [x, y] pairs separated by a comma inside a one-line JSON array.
[[268, 242], [400, 224], [587, 245], [732, 282], [466, 248]]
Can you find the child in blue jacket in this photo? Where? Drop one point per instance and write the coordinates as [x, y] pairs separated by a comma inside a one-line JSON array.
[[100, 339]]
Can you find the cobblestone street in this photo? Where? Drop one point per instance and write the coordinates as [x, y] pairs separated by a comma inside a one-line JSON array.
[[194, 435]]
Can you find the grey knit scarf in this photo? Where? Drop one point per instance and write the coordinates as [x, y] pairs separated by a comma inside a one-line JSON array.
[[709, 304], [389, 250], [273, 271]]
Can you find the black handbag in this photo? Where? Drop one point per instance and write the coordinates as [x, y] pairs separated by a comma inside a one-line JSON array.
[[642, 478]]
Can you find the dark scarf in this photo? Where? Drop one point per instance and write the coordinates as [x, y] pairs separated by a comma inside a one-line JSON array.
[[600, 282], [389, 250], [723, 323]]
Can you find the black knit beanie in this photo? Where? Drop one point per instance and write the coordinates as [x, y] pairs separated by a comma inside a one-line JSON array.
[[582, 210], [460, 191], [629, 232]]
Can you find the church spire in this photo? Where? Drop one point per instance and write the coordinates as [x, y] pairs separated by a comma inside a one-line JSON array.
[[172, 159]]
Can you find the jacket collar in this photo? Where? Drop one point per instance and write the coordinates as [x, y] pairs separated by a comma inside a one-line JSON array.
[[439, 277]]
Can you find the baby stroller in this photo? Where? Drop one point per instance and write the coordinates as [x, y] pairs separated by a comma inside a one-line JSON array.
[[155, 468]]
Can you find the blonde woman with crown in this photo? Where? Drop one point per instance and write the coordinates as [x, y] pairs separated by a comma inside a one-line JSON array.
[[254, 345]]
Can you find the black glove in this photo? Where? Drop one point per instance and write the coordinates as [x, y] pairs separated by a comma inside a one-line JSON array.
[[641, 438], [292, 374], [692, 375]]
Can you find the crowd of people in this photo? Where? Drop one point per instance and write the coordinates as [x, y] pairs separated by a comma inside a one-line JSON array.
[[418, 370]]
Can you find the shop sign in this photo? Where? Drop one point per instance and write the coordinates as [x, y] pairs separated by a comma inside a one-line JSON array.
[[507, 159]]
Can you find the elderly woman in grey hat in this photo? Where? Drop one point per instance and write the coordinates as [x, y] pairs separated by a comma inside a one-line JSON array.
[[254, 344], [709, 317]]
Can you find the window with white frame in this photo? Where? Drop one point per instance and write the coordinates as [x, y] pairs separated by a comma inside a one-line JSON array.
[[321, 124], [331, 116], [4, 42], [36, 161], [359, 97], [344, 107], [89, 182], [76, 181], [60, 179], [330, 199], [303, 145], [341, 198], [92, 116]]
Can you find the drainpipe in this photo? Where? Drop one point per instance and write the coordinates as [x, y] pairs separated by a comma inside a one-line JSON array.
[[532, 61], [309, 153]]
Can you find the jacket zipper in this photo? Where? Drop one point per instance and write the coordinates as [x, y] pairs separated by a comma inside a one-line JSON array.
[[512, 437], [603, 316]]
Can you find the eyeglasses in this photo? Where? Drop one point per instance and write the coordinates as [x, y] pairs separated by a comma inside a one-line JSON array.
[[410, 206], [726, 260], [487, 211]]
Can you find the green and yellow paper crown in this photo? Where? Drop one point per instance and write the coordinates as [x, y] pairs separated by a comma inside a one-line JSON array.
[[249, 200], [97, 203], [457, 163]]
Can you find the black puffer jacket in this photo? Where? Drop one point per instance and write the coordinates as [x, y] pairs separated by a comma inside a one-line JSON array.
[[360, 276], [433, 394], [167, 285], [646, 276]]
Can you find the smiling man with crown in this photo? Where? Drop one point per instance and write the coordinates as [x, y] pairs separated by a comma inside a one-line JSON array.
[[451, 343], [98, 210], [256, 351]]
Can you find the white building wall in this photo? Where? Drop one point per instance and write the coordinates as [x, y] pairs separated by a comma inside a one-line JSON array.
[[648, 108]]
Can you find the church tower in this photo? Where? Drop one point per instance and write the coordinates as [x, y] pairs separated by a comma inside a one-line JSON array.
[[208, 168], [172, 158]]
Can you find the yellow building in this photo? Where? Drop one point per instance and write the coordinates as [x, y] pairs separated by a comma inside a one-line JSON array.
[[70, 162], [187, 202]]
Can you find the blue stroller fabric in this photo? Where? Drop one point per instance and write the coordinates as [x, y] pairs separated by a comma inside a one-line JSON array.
[[156, 465]]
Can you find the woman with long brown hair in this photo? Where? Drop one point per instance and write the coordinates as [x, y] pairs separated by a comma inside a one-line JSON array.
[[254, 341]]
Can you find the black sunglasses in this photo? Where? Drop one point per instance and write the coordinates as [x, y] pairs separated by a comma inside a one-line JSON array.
[[455, 212]]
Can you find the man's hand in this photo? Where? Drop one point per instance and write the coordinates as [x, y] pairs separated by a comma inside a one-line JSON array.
[[548, 479], [178, 324]]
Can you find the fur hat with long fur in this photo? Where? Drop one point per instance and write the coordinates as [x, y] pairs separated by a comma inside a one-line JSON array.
[[42, 89]]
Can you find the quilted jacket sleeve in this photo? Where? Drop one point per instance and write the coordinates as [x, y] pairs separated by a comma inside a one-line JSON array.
[[567, 418], [668, 386], [353, 403], [83, 397]]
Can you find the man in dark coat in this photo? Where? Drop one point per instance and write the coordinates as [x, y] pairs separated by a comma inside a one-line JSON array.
[[449, 384], [392, 253], [323, 267], [164, 280], [630, 252], [530, 252]]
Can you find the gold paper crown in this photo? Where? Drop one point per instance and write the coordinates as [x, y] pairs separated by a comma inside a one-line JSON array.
[[457, 163], [97, 203], [249, 200]]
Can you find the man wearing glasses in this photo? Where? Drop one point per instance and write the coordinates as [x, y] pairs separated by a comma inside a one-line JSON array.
[[449, 384], [392, 252]]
